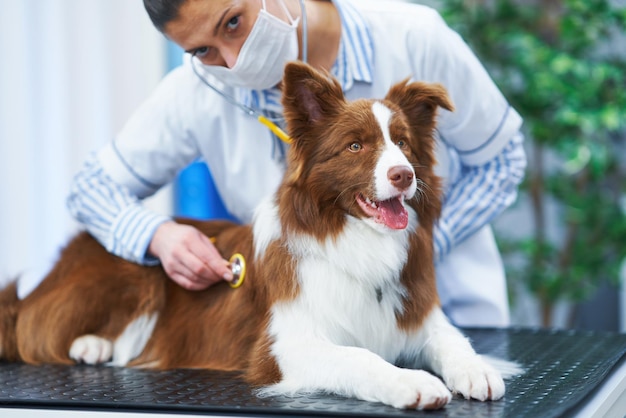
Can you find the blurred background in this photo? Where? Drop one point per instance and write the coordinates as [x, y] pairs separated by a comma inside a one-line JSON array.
[[72, 72]]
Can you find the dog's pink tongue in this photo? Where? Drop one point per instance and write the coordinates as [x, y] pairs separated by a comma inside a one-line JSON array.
[[393, 213]]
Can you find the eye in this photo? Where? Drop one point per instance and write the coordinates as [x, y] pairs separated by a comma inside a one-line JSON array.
[[207, 55], [233, 24], [355, 147], [201, 52], [402, 144]]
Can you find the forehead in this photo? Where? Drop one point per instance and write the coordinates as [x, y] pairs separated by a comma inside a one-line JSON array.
[[365, 121], [197, 19], [368, 114]]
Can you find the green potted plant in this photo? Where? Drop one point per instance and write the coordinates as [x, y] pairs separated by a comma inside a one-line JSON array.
[[562, 65]]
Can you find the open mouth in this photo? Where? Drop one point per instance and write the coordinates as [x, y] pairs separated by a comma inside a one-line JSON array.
[[390, 213]]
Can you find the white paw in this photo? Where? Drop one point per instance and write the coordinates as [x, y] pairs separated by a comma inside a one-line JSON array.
[[415, 389], [474, 378], [91, 349]]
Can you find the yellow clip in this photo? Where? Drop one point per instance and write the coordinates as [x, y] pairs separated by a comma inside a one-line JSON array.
[[238, 266], [274, 128]]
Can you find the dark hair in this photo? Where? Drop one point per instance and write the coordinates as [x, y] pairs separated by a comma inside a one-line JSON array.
[[162, 12]]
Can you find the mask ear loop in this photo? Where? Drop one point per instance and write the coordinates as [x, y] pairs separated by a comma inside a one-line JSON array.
[[305, 35]]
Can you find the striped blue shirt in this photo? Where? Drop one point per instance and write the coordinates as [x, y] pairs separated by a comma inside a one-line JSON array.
[[112, 215]]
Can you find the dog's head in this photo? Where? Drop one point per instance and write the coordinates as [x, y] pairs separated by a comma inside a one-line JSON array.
[[365, 158]]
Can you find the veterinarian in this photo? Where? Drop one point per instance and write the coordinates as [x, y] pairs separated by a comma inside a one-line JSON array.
[[208, 109]]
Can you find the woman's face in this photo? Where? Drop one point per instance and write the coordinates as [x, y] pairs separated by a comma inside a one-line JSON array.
[[215, 30]]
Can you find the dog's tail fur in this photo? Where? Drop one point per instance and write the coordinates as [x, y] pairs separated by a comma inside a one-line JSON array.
[[9, 306], [508, 369]]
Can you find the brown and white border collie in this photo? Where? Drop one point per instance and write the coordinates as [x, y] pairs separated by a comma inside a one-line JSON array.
[[340, 283]]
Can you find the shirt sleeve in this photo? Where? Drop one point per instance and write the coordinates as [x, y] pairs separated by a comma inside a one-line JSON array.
[[481, 194], [482, 122], [160, 137], [112, 214], [156, 142]]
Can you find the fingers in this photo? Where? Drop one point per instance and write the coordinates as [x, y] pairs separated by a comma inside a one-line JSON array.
[[179, 273], [184, 282], [213, 259], [189, 257], [199, 265], [198, 268]]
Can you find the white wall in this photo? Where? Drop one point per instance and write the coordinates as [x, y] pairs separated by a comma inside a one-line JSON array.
[[71, 72]]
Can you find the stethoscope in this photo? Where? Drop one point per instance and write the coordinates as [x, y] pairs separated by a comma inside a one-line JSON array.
[[237, 260], [270, 123], [238, 268], [237, 264]]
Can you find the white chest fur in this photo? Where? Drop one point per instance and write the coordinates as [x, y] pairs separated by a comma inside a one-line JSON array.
[[350, 291]]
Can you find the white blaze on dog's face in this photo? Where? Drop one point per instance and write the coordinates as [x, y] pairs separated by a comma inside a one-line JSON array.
[[394, 178]]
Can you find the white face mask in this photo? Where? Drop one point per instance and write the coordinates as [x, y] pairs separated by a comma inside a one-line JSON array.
[[262, 58]]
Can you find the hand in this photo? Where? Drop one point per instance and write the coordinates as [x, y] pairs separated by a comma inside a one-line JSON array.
[[188, 256]]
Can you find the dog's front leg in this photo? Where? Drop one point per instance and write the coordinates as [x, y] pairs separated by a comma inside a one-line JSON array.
[[449, 354], [309, 364]]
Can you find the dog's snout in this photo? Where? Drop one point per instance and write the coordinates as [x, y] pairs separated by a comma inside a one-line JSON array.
[[401, 177]]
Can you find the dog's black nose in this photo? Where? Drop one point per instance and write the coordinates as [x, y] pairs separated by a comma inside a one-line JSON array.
[[400, 176]]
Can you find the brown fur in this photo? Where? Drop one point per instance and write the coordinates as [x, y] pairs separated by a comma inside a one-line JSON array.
[[90, 291], [9, 306]]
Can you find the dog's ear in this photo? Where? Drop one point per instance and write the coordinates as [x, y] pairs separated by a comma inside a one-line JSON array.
[[309, 97], [419, 101]]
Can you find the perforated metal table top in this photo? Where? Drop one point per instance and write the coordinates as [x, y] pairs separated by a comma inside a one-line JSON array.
[[562, 368]]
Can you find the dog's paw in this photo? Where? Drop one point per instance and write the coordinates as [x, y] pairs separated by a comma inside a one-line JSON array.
[[91, 349], [474, 378], [415, 389]]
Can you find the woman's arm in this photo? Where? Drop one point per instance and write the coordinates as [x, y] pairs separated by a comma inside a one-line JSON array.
[[110, 213], [481, 193], [125, 228]]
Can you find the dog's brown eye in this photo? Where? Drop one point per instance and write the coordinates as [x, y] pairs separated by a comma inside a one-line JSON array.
[[355, 147]]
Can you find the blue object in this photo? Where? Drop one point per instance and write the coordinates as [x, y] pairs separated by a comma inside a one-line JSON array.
[[195, 195]]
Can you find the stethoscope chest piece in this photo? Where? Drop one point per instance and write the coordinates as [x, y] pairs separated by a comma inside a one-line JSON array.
[[238, 267]]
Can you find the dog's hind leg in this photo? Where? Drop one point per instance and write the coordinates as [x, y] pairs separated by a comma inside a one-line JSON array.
[[88, 293], [87, 323], [93, 349], [133, 340]]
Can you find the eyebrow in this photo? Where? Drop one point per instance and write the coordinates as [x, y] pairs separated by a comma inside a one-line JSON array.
[[192, 51], [219, 22]]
